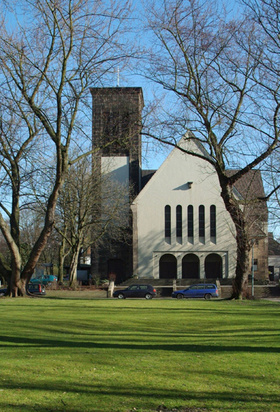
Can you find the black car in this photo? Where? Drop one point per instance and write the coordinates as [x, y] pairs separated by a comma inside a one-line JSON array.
[[136, 291], [3, 291], [36, 289]]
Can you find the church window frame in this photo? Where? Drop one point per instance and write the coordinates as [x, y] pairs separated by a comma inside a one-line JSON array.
[[201, 223], [213, 223], [179, 223], [167, 222], [190, 217]]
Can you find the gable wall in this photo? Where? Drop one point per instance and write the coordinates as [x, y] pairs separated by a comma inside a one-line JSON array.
[[169, 186]]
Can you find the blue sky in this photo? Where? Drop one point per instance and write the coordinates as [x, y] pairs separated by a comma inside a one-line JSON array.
[[153, 154]]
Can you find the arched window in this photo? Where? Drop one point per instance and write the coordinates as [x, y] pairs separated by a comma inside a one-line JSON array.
[[213, 266], [168, 267], [213, 223], [190, 223], [201, 223], [179, 229], [167, 227], [190, 266]]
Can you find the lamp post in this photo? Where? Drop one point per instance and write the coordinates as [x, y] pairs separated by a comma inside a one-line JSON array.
[[253, 268]]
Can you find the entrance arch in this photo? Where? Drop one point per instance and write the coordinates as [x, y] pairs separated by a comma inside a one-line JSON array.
[[213, 266], [168, 267], [190, 266]]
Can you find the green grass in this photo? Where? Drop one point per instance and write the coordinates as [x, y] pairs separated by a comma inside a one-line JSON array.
[[134, 355]]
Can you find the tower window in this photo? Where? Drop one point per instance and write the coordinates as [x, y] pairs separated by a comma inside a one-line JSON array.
[[255, 263]]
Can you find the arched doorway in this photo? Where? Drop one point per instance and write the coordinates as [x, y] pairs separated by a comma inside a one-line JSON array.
[[213, 266], [190, 266], [168, 267]]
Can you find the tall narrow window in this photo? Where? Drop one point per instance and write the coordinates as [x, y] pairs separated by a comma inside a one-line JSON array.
[[255, 264], [201, 223], [213, 223], [179, 229], [167, 216], [190, 223]]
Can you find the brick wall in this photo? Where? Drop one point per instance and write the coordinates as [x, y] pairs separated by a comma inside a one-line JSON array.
[[260, 291], [116, 131], [121, 107]]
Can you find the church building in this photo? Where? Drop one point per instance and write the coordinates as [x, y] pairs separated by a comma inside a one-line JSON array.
[[177, 220]]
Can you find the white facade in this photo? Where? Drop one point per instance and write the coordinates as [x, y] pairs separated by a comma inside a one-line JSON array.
[[183, 180], [115, 173], [116, 168]]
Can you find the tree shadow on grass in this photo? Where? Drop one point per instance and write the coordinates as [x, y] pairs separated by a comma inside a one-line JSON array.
[[149, 396], [13, 341]]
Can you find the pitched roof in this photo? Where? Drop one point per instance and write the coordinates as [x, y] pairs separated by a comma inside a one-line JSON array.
[[249, 188], [250, 185], [273, 245], [146, 176]]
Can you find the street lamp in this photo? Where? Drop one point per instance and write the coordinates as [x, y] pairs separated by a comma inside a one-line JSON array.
[[253, 240]]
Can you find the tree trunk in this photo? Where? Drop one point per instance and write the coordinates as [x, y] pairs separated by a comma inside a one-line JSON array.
[[62, 164], [22, 287], [5, 271], [242, 264], [61, 259], [14, 283], [74, 265], [242, 241]]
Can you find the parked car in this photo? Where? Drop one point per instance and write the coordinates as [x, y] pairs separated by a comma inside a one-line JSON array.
[[3, 291], [205, 290], [36, 289], [136, 291], [44, 280]]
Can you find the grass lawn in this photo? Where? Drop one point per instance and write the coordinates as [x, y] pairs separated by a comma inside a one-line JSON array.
[[134, 355]]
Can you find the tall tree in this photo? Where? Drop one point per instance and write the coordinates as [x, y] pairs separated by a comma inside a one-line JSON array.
[[50, 53], [265, 15], [86, 213], [218, 91]]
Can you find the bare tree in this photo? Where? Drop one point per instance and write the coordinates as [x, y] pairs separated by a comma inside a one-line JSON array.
[[76, 214], [265, 15], [89, 207], [212, 68], [48, 61]]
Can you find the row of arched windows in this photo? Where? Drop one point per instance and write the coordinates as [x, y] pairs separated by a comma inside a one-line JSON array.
[[190, 266], [190, 223]]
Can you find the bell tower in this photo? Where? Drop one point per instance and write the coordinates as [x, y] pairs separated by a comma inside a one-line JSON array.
[[116, 128], [116, 136]]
